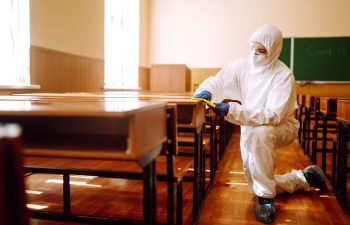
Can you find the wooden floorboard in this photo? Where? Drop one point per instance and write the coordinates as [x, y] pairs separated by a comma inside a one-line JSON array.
[[229, 201]]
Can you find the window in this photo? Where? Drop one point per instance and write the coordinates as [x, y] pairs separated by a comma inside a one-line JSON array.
[[121, 43], [14, 42]]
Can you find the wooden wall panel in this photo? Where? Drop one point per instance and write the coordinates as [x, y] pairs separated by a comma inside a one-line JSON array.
[[170, 78], [57, 71], [200, 74]]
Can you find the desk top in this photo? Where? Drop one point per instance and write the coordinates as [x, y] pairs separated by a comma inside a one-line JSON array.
[[191, 113], [154, 93], [106, 96], [17, 105], [117, 94]]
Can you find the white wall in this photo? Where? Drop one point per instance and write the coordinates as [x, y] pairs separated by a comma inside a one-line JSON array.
[[73, 26], [210, 33], [144, 32], [77, 27]]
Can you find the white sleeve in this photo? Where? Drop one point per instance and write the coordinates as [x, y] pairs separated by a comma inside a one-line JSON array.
[[223, 85], [253, 117], [279, 107]]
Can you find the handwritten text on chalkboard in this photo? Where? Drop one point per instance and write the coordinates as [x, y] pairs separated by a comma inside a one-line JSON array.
[[326, 51]]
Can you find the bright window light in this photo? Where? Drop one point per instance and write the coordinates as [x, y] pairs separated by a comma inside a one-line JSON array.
[[14, 42], [121, 43], [35, 206]]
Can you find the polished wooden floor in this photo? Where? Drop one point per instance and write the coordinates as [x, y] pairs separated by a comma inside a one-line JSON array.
[[228, 202]]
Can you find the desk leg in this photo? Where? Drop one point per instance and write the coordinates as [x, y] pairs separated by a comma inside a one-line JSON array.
[[196, 180], [149, 194], [212, 150], [343, 165], [308, 132], [197, 170], [301, 124], [203, 166], [314, 137], [339, 161], [222, 137], [215, 149], [324, 142], [66, 194], [303, 139]]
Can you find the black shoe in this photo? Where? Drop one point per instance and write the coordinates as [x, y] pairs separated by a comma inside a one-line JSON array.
[[315, 177], [265, 209]]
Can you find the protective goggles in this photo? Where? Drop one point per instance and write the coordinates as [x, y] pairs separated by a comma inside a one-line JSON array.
[[257, 48]]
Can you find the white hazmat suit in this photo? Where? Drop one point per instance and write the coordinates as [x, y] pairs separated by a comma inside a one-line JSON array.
[[265, 87]]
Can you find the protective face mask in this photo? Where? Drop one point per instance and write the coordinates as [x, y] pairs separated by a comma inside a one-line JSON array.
[[257, 60]]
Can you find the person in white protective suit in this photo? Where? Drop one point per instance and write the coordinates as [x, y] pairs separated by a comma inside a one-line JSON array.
[[265, 87]]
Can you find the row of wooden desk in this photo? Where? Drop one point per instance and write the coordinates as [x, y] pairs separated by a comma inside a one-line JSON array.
[[115, 125], [325, 129]]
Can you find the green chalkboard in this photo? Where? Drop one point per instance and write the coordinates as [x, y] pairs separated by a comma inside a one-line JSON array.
[[285, 54], [322, 59]]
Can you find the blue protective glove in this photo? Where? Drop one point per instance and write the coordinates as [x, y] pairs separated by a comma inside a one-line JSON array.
[[204, 94], [221, 109]]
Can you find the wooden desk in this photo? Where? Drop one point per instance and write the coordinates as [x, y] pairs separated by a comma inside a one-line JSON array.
[[343, 118], [121, 126], [191, 113], [94, 130]]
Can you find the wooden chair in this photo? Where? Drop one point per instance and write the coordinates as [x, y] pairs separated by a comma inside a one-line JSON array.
[[13, 209]]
